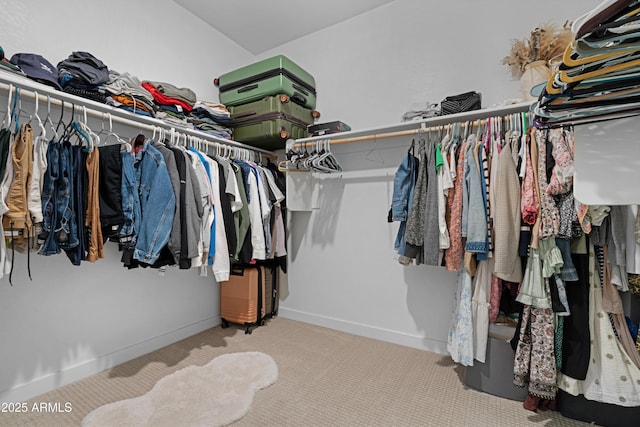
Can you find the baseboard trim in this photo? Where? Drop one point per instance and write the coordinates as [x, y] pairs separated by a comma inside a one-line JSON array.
[[53, 380], [395, 337]]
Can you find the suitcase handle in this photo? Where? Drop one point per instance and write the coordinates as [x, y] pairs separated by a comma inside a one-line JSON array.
[[299, 99], [247, 88], [300, 88], [245, 114], [237, 271]]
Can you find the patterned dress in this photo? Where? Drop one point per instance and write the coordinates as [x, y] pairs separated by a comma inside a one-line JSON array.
[[453, 255], [611, 376]]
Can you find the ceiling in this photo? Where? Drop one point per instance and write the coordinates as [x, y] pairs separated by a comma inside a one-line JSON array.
[[259, 25]]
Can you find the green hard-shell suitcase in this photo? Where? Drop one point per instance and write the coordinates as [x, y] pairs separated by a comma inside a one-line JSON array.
[[270, 121], [270, 76]]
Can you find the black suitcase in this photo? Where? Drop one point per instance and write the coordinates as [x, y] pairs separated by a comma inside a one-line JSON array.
[[271, 291], [320, 129]]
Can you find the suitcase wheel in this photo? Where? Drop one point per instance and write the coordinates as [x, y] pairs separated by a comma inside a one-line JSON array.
[[224, 324], [283, 133], [315, 114], [284, 99], [247, 330], [262, 322]]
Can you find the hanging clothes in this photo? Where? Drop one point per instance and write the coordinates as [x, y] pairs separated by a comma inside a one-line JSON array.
[[77, 253], [95, 248], [431, 240], [481, 300], [535, 364], [403, 188], [172, 169], [17, 220], [453, 255], [507, 217], [416, 218], [227, 214], [549, 215], [206, 225], [110, 190], [241, 220], [445, 185], [474, 217], [6, 176], [194, 207], [157, 204], [610, 377], [220, 265], [39, 169], [529, 203], [460, 336], [189, 207]]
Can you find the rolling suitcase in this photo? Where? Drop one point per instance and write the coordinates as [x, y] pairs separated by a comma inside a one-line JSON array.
[[268, 122], [242, 298], [271, 291], [270, 76]]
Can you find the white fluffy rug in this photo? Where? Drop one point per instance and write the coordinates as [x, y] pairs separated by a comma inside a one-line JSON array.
[[215, 394]]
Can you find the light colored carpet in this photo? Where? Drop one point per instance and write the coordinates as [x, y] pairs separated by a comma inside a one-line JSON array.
[[214, 395], [325, 378]]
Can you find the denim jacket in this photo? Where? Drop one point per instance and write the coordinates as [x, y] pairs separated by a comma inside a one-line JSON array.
[[404, 184], [130, 202], [157, 204], [475, 210]]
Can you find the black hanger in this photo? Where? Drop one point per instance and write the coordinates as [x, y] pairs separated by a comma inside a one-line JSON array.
[[60, 122], [68, 129]]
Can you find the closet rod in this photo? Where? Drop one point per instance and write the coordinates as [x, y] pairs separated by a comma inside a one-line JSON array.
[[29, 88], [413, 127]]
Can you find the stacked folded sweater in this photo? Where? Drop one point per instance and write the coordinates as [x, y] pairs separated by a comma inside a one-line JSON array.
[[172, 103], [126, 92], [212, 118], [84, 75]]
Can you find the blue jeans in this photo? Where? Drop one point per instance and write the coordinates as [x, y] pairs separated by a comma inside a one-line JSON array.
[[78, 167], [568, 271], [66, 231], [49, 196]]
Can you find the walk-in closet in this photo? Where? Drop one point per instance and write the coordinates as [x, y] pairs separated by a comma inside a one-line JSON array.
[[457, 245]]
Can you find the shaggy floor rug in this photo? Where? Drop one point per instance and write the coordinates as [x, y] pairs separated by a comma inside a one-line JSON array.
[[215, 394]]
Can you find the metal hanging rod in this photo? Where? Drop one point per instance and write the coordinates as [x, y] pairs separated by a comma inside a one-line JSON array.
[[413, 127], [30, 88]]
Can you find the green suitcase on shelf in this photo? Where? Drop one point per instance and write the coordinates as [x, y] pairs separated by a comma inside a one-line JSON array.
[[268, 77], [270, 121]]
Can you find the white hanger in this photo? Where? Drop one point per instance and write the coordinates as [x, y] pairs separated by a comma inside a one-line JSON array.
[[119, 139], [43, 130]]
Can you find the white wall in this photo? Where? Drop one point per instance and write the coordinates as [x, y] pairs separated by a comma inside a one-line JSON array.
[[370, 70], [151, 39], [69, 321]]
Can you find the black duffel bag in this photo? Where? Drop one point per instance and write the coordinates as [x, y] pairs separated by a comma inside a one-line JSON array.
[[467, 101]]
